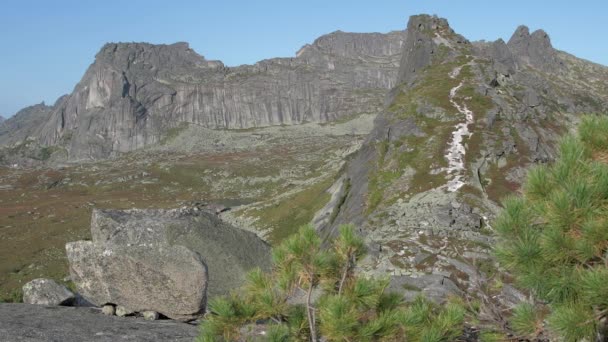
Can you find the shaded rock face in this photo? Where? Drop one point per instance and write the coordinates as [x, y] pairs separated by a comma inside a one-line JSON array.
[[47, 292], [135, 92], [228, 252], [36, 323], [523, 96], [168, 279]]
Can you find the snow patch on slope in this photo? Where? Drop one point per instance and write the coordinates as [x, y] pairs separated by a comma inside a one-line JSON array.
[[456, 150]]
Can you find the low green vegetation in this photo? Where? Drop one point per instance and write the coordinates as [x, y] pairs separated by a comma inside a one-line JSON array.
[[314, 294], [295, 211], [554, 240], [14, 296]]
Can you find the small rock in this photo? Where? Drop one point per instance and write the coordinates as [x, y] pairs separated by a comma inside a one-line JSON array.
[[150, 315], [46, 292], [108, 310], [121, 311]]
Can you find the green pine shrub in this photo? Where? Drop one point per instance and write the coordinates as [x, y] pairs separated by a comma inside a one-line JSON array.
[[335, 304], [554, 239]]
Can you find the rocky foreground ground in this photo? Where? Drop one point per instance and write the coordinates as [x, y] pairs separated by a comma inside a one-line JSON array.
[[30, 323]]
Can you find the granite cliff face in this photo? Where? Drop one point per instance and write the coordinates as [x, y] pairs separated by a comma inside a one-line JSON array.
[[135, 92], [457, 134]]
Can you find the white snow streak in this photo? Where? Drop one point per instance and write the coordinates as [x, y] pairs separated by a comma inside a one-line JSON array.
[[456, 151]]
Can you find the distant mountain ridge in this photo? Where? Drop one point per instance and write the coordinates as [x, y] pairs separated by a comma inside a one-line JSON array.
[[135, 92], [24, 123]]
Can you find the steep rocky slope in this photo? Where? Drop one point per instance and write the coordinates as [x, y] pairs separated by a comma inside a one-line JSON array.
[[134, 93], [458, 133]]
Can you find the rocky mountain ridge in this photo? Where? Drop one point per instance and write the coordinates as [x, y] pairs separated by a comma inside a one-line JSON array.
[[457, 134], [134, 93]]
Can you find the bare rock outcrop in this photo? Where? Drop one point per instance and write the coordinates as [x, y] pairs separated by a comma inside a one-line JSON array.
[[36, 323], [534, 49]]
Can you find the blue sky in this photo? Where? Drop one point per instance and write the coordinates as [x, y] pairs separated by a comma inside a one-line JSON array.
[[46, 46]]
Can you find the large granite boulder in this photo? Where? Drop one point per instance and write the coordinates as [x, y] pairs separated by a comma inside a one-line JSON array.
[[171, 280], [47, 292], [228, 252], [157, 260]]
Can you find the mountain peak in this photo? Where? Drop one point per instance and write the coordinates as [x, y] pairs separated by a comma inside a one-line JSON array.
[[521, 32], [424, 34], [425, 21], [533, 49]]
